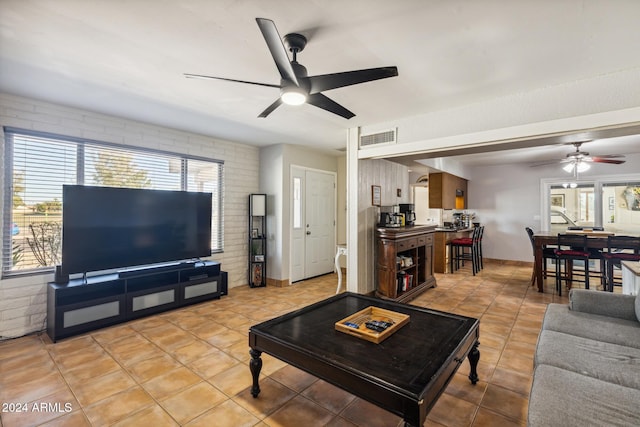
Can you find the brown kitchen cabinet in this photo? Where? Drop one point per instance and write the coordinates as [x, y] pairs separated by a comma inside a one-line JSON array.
[[404, 262], [447, 191]]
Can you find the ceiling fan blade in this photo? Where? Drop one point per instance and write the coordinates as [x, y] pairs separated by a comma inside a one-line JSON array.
[[278, 52], [610, 156], [550, 162], [321, 101], [605, 159], [200, 76], [348, 78], [270, 108]]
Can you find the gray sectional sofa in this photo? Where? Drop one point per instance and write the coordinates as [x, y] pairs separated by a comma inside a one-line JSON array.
[[587, 362]]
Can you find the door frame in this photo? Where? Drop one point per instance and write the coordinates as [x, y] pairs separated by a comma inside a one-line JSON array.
[[304, 169]]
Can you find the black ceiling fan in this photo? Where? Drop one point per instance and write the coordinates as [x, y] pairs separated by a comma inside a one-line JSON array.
[[580, 157], [295, 86]]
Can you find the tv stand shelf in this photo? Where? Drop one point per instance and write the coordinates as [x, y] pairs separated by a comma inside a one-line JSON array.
[[80, 306]]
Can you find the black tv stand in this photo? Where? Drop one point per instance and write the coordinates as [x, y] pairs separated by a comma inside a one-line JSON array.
[[94, 302]]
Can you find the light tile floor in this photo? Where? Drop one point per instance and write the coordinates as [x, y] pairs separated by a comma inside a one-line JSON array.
[[190, 366]]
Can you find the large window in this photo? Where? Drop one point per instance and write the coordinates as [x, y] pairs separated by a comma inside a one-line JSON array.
[[37, 165], [609, 202]]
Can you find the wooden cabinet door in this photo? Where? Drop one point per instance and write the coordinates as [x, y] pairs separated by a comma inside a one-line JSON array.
[[443, 188], [386, 268], [428, 260]]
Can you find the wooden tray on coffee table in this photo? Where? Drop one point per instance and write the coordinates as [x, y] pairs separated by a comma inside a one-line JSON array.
[[359, 318]]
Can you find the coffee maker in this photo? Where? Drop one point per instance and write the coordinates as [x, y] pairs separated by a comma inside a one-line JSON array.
[[408, 209], [390, 217]]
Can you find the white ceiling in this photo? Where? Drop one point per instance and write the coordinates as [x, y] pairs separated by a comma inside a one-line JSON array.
[[128, 58]]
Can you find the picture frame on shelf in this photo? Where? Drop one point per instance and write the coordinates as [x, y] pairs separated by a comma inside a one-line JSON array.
[[258, 258], [254, 233]]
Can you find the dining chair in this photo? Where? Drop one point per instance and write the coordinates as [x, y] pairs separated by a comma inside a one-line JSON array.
[[547, 254], [571, 247], [619, 248]]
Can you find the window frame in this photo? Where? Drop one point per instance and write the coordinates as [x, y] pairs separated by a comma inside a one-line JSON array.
[[80, 144]]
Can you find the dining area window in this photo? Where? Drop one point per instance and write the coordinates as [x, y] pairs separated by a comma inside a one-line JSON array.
[[571, 206], [610, 202]]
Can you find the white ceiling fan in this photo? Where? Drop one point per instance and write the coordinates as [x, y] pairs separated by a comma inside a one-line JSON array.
[[580, 161]]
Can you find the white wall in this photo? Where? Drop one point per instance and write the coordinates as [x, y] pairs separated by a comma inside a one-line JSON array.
[[271, 183], [23, 300], [506, 199], [341, 206]]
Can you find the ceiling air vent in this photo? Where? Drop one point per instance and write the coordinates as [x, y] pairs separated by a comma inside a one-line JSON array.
[[384, 137]]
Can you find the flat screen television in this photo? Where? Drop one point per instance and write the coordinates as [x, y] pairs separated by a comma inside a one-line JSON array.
[[108, 228]]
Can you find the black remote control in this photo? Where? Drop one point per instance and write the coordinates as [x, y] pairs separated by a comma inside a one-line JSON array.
[[376, 325]]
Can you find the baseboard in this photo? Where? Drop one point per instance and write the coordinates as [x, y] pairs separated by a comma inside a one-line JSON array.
[[278, 283], [514, 263]]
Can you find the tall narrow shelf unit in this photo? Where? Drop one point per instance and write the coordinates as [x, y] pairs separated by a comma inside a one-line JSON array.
[[257, 276]]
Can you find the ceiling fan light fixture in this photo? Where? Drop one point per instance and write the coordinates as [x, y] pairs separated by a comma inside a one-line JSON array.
[[583, 167], [293, 95], [578, 166]]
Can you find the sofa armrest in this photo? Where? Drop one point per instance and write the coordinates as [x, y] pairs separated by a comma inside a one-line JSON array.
[[603, 303]]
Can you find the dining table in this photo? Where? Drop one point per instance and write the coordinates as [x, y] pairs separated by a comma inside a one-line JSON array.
[[595, 240]]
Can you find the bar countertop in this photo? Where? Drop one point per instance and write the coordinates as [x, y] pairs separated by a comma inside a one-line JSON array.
[[453, 230]]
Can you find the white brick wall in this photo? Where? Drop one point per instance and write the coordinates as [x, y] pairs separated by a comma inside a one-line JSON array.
[[23, 300]]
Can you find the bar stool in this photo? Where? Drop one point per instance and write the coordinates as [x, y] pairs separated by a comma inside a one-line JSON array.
[[547, 253], [619, 248], [479, 249], [571, 247], [459, 253]]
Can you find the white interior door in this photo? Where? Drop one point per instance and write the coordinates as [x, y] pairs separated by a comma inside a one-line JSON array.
[[313, 223], [321, 224]]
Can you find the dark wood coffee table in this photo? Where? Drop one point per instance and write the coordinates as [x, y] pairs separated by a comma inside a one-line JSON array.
[[405, 374]]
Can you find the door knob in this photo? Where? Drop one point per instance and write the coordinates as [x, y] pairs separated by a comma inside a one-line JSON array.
[[308, 232]]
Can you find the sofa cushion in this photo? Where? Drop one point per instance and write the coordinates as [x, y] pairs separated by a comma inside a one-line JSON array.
[[605, 361], [600, 328], [560, 397], [603, 303]]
